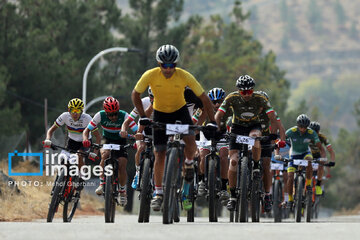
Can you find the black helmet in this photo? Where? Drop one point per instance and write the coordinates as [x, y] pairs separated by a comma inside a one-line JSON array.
[[264, 94], [167, 54], [315, 126], [303, 120], [216, 94], [150, 92], [245, 82]]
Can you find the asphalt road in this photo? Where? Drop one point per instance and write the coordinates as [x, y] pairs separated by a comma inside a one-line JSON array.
[[126, 227]]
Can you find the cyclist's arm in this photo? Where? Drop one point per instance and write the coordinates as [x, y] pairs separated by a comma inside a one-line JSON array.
[[281, 130], [208, 106], [219, 116], [322, 150], [97, 135], [273, 122], [332, 153], [135, 97], [51, 131]]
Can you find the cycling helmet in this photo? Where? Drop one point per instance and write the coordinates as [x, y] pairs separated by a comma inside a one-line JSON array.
[[150, 93], [315, 126], [167, 54], [216, 94], [76, 103], [303, 120], [111, 105], [264, 94], [245, 83]]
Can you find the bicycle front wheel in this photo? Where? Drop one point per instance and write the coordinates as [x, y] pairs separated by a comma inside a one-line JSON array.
[[299, 199], [277, 208], [244, 183], [212, 191], [56, 196], [170, 181], [145, 194], [109, 200]]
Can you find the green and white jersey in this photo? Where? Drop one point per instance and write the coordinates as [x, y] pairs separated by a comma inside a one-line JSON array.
[[300, 142], [111, 130]]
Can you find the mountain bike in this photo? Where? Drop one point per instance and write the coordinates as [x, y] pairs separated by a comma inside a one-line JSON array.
[[112, 185], [146, 180], [172, 180], [248, 180], [67, 188]]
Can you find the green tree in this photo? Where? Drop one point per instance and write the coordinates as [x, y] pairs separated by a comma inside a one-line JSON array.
[[224, 51], [46, 46], [340, 14], [314, 16]]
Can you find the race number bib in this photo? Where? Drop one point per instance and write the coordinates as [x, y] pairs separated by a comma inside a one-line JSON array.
[[301, 162], [277, 166], [203, 143], [245, 140], [172, 129], [111, 147]]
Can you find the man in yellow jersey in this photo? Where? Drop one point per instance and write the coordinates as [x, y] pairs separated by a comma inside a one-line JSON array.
[[167, 83]]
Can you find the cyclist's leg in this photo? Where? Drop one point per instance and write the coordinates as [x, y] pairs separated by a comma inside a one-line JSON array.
[[309, 170], [233, 166], [202, 187], [224, 166], [104, 155], [140, 148], [122, 175], [256, 149]]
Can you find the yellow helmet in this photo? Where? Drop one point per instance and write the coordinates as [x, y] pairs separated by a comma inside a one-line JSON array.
[[76, 103]]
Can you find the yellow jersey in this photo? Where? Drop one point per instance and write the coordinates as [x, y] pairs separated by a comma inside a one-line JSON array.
[[168, 92]]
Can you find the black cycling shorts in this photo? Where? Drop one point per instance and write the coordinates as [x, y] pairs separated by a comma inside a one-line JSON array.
[[267, 152], [160, 137], [73, 145], [240, 130], [116, 153]]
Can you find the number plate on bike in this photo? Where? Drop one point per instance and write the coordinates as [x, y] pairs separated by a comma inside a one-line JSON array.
[[277, 166], [315, 166], [172, 129], [203, 143], [111, 146], [245, 140], [303, 163]]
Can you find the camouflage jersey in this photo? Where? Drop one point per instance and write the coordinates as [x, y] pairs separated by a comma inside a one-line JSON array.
[[315, 151], [245, 113]]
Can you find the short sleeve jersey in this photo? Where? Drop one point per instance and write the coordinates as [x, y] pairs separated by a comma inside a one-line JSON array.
[[323, 139], [300, 142], [75, 128], [168, 92], [111, 130], [245, 113]]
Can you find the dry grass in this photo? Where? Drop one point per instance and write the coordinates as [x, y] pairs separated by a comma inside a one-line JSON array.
[[32, 201], [354, 211]]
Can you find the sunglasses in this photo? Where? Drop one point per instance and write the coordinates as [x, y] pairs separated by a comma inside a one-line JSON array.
[[219, 101], [75, 110], [168, 65], [246, 92], [114, 114]]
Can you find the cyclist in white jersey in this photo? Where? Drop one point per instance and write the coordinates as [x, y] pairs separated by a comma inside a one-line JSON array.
[[140, 145], [76, 121]]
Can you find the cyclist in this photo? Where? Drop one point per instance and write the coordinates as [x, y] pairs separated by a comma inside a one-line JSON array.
[[266, 153], [140, 145], [75, 121], [167, 84], [315, 151], [217, 96], [300, 137], [246, 107], [111, 119]]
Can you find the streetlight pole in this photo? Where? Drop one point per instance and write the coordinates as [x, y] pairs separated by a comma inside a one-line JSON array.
[[96, 57]]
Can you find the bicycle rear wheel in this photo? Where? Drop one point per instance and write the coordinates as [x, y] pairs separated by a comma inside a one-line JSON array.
[[299, 199], [213, 200], [255, 198], [56, 196], [109, 200], [277, 208], [145, 194], [308, 205], [171, 175], [191, 212]]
